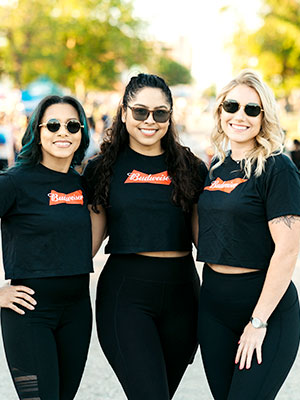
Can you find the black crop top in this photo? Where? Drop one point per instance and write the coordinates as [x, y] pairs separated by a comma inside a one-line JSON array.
[[45, 223], [234, 212], [141, 216]]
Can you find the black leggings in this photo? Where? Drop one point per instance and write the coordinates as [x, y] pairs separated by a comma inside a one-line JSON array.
[[226, 305], [46, 349], [146, 312]]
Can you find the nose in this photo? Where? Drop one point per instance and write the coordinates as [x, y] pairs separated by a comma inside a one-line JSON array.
[[63, 131], [240, 114], [150, 119]]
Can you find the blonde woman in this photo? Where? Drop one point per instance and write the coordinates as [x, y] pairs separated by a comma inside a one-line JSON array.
[[249, 229]]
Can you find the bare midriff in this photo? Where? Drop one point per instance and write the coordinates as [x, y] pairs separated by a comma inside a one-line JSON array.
[[166, 254], [227, 269]]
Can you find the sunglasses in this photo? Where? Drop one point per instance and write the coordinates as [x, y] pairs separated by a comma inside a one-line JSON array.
[[53, 125], [141, 114], [251, 109]]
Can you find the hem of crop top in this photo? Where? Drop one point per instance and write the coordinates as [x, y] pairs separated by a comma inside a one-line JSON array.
[[235, 264], [135, 250], [45, 274]]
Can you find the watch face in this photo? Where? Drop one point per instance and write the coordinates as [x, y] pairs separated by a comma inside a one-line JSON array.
[[256, 322]]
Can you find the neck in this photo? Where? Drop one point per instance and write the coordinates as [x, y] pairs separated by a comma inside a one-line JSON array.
[[59, 165], [239, 152]]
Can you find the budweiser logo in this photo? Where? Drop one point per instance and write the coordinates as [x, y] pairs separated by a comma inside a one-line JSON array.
[[225, 186], [162, 178], [70, 198]]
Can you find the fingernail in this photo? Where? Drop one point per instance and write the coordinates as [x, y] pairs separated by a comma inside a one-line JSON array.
[[240, 367], [236, 362], [32, 292], [247, 367]]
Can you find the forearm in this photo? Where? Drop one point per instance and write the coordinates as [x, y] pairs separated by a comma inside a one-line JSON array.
[[277, 280]]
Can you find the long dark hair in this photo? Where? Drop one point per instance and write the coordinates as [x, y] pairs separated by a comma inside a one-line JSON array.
[[31, 153], [182, 164]]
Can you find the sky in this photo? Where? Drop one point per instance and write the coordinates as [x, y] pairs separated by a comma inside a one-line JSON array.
[[207, 30]]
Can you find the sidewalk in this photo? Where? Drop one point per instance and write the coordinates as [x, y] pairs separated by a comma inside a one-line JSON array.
[[100, 383]]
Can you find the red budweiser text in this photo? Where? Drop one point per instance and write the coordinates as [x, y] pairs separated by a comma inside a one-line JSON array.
[[70, 198], [225, 186], [162, 178]]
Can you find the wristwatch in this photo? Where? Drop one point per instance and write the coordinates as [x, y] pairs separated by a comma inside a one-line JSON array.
[[257, 323]]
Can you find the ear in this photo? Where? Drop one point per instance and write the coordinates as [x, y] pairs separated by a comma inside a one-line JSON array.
[[123, 116]]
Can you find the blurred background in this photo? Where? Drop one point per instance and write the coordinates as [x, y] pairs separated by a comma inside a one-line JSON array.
[[91, 48]]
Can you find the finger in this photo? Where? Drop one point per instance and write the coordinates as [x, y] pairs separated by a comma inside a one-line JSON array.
[[238, 353], [26, 297], [24, 289], [24, 303], [249, 357], [259, 355], [16, 309], [243, 358]]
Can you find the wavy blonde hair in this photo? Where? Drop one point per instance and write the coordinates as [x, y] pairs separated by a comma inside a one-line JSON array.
[[269, 140]]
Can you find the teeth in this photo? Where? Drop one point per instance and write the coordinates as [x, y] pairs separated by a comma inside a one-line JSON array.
[[241, 128], [148, 131], [62, 144]]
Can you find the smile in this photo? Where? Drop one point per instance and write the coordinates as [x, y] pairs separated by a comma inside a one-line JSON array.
[[148, 132], [239, 127], [62, 144]]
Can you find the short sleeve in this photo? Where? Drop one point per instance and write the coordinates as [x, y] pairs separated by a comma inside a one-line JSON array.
[[282, 194], [7, 194], [89, 179]]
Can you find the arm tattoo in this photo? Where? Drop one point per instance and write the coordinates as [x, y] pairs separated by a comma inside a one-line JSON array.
[[288, 220]]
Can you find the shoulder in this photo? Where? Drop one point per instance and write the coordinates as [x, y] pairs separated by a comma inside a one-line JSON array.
[[278, 163], [91, 166]]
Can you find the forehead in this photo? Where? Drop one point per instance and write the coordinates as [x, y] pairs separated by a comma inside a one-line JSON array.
[[150, 97], [244, 94], [61, 111]]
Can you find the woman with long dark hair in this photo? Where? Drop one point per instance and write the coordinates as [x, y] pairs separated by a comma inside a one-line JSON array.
[[46, 313], [146, 183]]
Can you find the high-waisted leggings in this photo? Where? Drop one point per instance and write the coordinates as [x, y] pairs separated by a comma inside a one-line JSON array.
[[46, 349], [226, 305], [146, 312]]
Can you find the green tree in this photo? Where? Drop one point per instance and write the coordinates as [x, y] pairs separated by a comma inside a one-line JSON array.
[[275, 47], [79, 44], [173, 72]]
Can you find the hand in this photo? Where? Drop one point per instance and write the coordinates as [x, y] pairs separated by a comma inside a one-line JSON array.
[[251, 339], [12, 295]]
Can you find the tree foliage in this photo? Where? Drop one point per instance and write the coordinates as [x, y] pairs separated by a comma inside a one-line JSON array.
[[173, 72], [74, 42], [275, 47]]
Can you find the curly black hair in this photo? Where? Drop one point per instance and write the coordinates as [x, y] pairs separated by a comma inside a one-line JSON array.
[[183, 166]]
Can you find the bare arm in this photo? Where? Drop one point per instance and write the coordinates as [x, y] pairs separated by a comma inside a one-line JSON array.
[[12, 296], [285, 232], [99, 232], [195, 226]]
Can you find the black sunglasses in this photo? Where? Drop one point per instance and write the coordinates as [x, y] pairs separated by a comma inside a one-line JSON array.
[[141, 114], [53, 125], [251, 109]]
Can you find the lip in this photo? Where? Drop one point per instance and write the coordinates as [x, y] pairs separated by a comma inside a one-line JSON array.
[[238, 127], [148, 132], [62, 143]]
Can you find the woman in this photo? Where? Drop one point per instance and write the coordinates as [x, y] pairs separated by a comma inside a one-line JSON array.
[[249, 229], [46, 319], [146, 183]]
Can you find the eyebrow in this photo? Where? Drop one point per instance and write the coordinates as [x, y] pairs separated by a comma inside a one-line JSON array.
[[142, 105]]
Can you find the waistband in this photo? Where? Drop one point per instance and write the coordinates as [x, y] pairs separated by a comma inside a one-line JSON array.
[[57, 290], [160, 269]]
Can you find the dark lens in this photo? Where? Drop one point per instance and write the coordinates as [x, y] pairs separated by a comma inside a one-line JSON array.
[[53, 125], [73, 126], [252, 109], [161, 115], [140, 114], [230, 106]]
